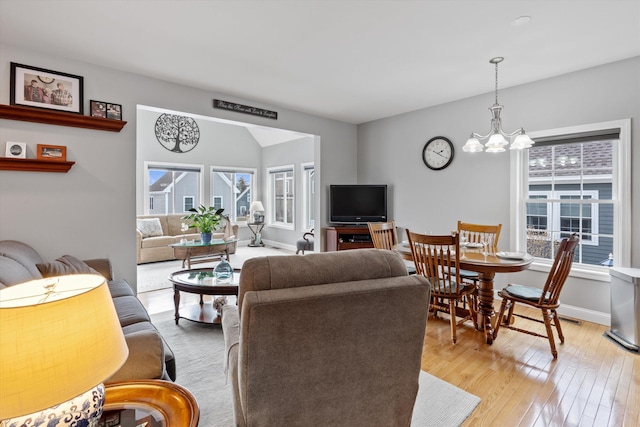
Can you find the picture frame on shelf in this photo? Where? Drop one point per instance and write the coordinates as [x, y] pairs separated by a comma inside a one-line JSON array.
[[48, 89], [16, 150], [52, 152], [98, 109], [114, 111]]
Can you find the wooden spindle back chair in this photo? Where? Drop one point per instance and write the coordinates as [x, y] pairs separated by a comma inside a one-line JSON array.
[[436, 257], [546, 299], [383, 234]]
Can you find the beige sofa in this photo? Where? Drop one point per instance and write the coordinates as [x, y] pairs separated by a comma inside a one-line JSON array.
[[153, 241], [331, 338]]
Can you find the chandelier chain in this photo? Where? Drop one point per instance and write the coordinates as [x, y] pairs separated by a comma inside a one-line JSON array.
[[496, 83]]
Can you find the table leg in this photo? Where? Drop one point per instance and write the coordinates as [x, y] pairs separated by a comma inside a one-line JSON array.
[[485, 305], [176, 302]]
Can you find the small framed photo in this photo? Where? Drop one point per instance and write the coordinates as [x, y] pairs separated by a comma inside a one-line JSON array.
[[114, 111], [52, 152], [98, 109], [17, 150], [53, 90]]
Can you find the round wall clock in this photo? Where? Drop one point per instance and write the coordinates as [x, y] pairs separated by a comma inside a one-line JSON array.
[[438, 153]]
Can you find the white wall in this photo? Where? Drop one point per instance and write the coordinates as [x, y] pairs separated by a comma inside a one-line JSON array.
[[475, 188], [90, 211]]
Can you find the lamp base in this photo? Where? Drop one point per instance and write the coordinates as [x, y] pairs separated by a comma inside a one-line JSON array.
[[83, 410]]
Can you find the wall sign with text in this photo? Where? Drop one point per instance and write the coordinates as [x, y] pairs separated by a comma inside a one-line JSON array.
[[246, 109]]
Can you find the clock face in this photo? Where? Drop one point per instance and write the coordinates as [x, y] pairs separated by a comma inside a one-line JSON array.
[[438, 153]]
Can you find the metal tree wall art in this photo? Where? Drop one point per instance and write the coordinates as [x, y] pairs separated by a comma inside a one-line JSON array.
[[177, 133]]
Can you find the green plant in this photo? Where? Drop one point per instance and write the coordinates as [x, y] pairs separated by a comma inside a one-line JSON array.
[[206, 219]]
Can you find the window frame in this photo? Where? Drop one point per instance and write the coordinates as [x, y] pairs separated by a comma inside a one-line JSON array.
[[234, 170], [271, 209], [184, 202], [308, 195], [553, 220], [193, 167], [621, 197]]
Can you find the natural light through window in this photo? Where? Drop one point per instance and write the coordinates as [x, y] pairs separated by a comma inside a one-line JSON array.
[[232, 189], [575, 180], [172, 188]]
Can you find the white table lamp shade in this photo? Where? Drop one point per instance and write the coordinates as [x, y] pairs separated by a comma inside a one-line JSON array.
[[58, 344], [257, 206]]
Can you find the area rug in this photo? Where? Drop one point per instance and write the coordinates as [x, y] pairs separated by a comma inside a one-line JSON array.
[[199, 352]]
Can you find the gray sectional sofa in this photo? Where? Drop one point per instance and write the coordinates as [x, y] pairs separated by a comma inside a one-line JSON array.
[[149, 355]]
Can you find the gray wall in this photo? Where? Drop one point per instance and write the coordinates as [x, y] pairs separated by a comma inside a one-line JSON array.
[[90, 211], [289, 153], [475, 188]]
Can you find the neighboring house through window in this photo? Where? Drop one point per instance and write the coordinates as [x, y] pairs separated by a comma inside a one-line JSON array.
[[188, 203], [232, 189], [575, 180], [172, 188]]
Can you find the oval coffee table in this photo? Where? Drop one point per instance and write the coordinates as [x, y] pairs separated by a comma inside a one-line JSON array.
[[201, 281]]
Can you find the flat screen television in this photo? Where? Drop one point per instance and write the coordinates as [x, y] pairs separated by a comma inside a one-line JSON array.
[[357, 204]]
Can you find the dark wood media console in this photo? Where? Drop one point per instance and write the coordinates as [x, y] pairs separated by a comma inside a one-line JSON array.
[[340, 238]]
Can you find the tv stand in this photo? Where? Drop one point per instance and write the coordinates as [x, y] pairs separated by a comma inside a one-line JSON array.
[[343, 237]]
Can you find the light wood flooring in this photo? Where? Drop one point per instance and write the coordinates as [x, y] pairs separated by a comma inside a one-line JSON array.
[[592, 383]]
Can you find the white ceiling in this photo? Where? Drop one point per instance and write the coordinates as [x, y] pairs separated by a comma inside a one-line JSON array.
[[350, 60]]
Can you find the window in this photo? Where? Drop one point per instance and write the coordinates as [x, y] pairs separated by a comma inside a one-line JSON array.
[[231, 189], [575, 180], [569, 217], [308, 177], [172, 188], [188, 203], [282, 196]]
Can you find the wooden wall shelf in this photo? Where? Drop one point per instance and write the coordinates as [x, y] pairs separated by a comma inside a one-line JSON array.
[[59, 118], [34, 165]]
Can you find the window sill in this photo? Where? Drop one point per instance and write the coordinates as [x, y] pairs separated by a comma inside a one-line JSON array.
[[599, 274]]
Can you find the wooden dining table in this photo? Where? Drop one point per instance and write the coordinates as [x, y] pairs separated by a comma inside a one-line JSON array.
[[486, 266]]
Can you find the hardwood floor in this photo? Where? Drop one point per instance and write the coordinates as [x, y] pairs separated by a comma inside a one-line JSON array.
[[592, 383]]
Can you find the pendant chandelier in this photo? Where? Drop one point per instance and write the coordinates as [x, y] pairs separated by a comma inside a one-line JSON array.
[[497, 139]]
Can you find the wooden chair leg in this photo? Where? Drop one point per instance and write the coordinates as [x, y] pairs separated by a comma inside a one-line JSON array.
[[452, 315], [510, 305], [499, 320], [547, 316], [473, 309], [556, 322]]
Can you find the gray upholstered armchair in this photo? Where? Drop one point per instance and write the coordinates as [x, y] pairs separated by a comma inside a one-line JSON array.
[[331, 338]]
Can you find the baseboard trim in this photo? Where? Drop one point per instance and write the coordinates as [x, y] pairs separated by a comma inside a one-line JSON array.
[[585, 314]]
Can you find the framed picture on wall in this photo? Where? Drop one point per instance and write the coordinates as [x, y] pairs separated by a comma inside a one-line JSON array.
[[114, 111], [42, 88], [52, 152], [98, 109]]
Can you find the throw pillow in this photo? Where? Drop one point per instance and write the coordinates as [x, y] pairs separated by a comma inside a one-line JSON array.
[[149, 227], [66, 264]]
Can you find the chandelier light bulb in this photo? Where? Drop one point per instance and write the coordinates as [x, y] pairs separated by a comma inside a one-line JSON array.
[[473, 146], [497, 140]]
